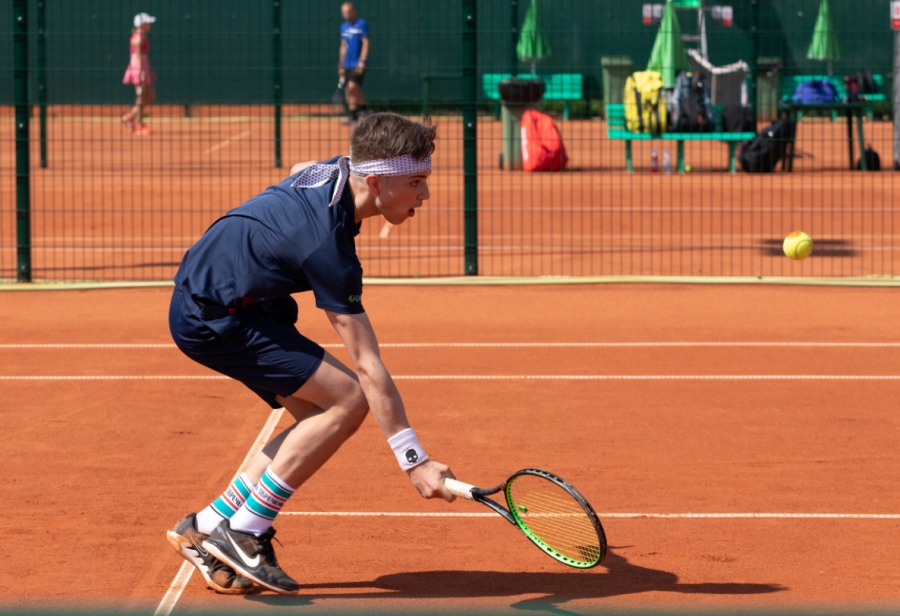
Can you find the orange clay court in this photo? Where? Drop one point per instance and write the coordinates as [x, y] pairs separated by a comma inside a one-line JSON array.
[[753, 465]]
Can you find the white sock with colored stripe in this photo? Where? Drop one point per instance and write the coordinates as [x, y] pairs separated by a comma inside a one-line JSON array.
[[226, 505], [265, 501]]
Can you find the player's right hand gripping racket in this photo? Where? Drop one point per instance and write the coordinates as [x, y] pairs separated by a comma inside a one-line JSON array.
[[550, 511]]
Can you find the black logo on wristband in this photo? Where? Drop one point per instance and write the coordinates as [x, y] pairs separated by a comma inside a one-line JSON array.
[[411, 456]]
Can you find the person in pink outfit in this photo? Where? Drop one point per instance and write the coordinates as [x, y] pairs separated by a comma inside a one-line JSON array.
[[140, 75]]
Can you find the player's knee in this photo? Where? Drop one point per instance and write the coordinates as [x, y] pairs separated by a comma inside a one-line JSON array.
[[356, 407]]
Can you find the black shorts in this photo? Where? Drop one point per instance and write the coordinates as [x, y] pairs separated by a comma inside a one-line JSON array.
[[351, 74], [263, 350]]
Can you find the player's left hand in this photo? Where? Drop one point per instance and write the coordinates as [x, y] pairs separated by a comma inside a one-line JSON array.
[[428, 478]]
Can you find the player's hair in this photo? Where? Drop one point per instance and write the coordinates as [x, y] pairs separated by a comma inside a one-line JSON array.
[[388, 135]]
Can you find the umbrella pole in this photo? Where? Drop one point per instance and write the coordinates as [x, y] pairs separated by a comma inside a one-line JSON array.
[[701, 19], [830, 68], [534, 68]]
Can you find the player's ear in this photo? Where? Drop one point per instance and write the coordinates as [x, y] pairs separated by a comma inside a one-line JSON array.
[[374, 184]]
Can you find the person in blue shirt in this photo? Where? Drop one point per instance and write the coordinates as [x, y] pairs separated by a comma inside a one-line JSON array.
[[232, 311], [352, 63]]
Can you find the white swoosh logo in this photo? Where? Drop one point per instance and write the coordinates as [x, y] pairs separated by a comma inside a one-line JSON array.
[[250, 562], [199, 549]]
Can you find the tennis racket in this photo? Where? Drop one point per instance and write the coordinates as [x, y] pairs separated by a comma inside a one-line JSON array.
[[549, 511], [337, 99]]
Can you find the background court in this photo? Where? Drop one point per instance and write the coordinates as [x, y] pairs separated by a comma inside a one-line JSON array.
[[112, 207]]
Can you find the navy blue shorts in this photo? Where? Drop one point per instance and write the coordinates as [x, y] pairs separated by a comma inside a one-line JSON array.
[[264, 350], [351, 74]]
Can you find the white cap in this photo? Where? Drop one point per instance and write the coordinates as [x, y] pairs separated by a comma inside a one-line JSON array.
[[142, 18]]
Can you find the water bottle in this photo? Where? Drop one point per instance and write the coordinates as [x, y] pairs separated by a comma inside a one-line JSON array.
[[654, 161], [667, 163]]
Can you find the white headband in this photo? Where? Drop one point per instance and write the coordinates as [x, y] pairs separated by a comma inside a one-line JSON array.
[[390, 167], [320, 174]]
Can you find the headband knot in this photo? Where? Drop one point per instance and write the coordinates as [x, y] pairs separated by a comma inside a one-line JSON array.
[[320, 174]]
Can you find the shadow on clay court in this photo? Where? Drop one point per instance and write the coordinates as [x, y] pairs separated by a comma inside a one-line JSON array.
[[620, 578]]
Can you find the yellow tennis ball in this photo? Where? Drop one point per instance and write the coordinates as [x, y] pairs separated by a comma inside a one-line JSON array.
[[798, 245]]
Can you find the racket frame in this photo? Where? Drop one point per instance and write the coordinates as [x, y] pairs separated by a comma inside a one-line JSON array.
[[511, 515]]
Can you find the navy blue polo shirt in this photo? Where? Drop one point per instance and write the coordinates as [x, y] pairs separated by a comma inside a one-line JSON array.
[[283, 241]]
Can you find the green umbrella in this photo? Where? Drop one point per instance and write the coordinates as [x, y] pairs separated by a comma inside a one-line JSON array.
[[533, 45], [668, 57], [824, 45]]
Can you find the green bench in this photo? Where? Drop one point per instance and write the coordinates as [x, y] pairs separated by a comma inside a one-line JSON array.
[[789, 85], [615, 129], [566, 87]]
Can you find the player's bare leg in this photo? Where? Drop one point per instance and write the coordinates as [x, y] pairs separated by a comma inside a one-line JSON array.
[[330, 406], [137, 112], [340, 409], [132, 119], [298, 409], [352, 93], [356, 101], [300, 450]]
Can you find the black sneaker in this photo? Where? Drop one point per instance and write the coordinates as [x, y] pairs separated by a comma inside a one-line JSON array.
[[251, 556], [187, 540]]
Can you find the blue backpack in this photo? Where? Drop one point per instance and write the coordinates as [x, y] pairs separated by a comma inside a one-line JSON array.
[[815, 92]]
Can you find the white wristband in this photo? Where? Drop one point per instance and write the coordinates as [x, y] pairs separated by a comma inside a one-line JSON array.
[[407, 449]]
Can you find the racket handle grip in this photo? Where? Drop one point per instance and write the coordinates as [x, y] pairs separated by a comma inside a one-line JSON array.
[[458, 488]]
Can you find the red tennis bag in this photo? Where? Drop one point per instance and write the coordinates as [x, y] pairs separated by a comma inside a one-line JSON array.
[[542, 149]]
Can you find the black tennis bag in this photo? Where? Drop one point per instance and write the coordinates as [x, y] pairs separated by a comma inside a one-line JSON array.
[[692, 109], [737, 118], [763, 153], [873, 160]]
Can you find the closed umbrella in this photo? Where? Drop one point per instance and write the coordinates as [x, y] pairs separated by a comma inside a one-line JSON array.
[[824, 45], [668, 57], [533, 46]]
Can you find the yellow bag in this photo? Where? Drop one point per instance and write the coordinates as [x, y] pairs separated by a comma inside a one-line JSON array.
[[645, 109]]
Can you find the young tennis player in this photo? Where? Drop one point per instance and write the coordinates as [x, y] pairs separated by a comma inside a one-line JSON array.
[[232, 311], [140, 75]]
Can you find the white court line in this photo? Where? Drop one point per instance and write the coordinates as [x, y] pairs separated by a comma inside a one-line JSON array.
[[425, 345], [385, 230], [111, 248], [222, 144], [504, 377], [54, 239], [431, 237], [406, 514], [186, 570]]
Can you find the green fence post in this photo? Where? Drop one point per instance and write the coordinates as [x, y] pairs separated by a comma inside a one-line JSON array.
[[514, 34], [23, 179], [470, 136], [754, 59], [276, 77], [42, 77]]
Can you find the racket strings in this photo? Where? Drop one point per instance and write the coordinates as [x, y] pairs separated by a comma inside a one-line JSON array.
[[555, 517]]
